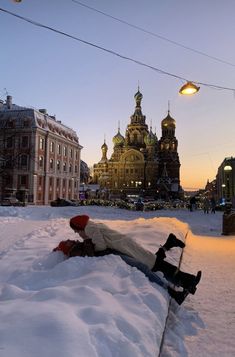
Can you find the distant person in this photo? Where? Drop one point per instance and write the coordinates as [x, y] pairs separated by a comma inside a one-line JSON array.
[[192, 203], [213, 204], [99, 240], [139, 206], [206, 205]]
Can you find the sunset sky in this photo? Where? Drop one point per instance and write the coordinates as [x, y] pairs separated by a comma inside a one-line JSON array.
[[91, 90]]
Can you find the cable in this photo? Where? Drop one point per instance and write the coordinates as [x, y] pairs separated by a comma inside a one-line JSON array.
[[154, 34], [214, 86]]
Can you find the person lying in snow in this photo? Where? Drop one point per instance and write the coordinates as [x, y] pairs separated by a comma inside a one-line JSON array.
[[100, 240]]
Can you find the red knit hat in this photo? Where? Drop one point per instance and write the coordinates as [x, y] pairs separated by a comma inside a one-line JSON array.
[[79, 222]]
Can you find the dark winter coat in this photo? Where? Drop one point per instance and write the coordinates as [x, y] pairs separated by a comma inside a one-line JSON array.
[[73, 248]]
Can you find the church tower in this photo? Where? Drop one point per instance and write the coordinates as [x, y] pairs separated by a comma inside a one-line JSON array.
[[140, 165], [137, 130], [168, 156]]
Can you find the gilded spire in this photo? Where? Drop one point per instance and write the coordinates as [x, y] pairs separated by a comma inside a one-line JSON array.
[[138, 97], [168, 107]]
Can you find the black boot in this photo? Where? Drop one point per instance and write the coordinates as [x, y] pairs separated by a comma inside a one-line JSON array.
[[160, 256], [197, 278], [172, 241], [188, 281], [178, 296]]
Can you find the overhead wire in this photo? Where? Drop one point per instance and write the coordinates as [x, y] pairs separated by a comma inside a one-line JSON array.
[[153, 33], [38, 24]]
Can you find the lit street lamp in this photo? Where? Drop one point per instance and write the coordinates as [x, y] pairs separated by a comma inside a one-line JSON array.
[[223, 189], [227, 170], [189, 88]]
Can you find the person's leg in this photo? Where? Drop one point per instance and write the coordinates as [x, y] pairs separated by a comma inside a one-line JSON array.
[[172, 242], [142, 267], [178, 296], [174, 275]]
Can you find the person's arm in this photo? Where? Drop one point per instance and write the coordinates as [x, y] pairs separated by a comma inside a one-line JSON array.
[[94, 232], [88, 248], [82, 249]]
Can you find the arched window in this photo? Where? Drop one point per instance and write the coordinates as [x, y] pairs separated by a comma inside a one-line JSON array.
[[41, 160], [52, 146], [51, 164]]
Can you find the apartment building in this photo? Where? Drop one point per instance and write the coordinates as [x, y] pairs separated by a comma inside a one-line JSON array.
[[39, 155]]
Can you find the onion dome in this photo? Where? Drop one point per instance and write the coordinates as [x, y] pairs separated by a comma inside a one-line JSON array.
[[168, 122], [138, 97], [104, 146], [150, 138], [118, 139]]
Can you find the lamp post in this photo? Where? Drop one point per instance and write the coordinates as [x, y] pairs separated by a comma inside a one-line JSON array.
[[227, 171], [228, 218], [223, 194]]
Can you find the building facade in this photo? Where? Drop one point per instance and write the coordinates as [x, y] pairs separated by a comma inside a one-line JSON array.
[[225, 181], [140, 164], [39, 156]]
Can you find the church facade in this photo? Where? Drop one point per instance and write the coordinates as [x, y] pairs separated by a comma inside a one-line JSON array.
[[140, 164]]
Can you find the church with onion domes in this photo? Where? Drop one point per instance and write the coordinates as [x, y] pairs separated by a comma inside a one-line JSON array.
[[140, 164]]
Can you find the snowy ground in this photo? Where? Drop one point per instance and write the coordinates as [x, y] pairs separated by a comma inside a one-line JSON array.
[[101, 307]]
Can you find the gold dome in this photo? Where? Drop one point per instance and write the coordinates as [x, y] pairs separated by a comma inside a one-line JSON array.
[[168, 122], [118, 139]]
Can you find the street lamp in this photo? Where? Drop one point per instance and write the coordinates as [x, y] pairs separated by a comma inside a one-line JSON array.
[[227, 170], [189, 88], [223, 189]]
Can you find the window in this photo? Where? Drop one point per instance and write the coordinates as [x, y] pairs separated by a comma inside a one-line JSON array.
[[24, 141], [64, 151], [70, 168], [51, 164], [76, 155], [59, 149], [9, 142], [26, 123], [9, 162], [52, 146], [40, 161], [11, 124], [41, 143], [24, 160], [76, 169], [64, 167], [71, 153], [23, 180], [58, 164]]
